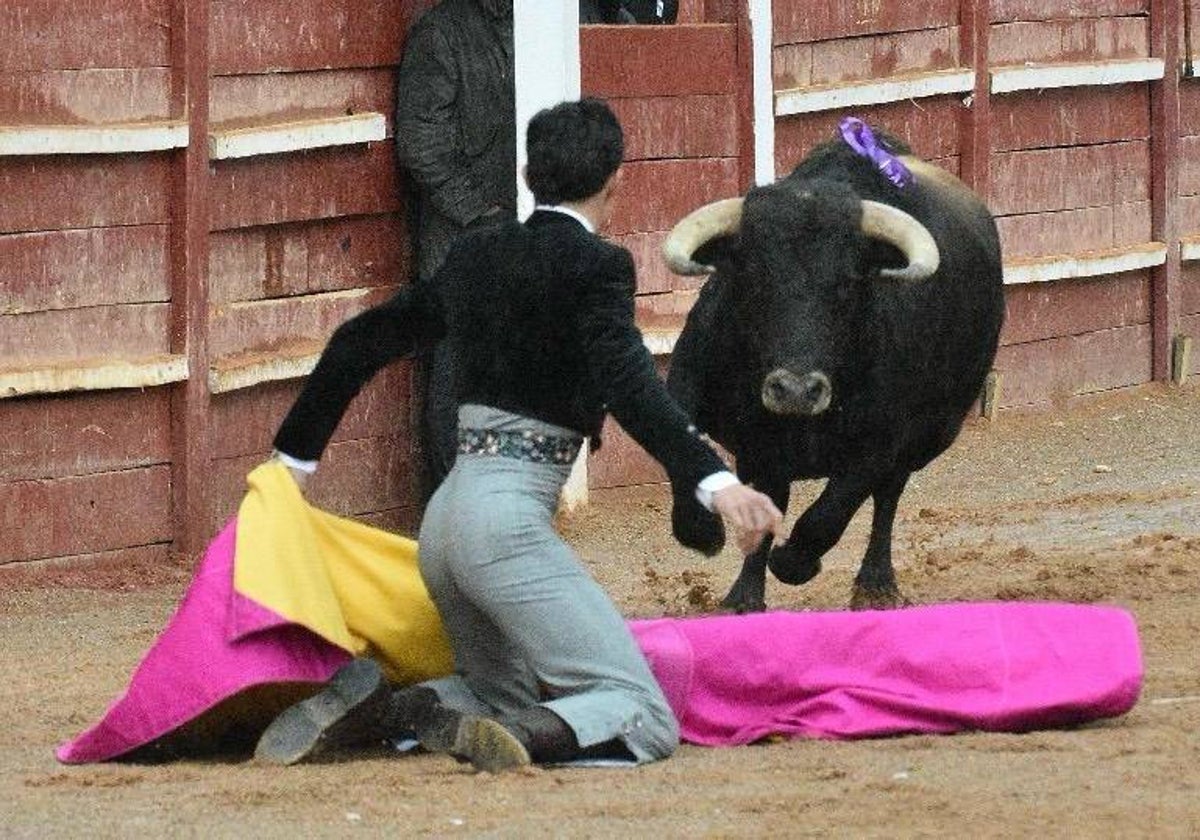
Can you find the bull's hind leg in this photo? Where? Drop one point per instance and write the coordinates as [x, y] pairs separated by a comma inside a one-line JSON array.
[[749, 592], [875, 585]]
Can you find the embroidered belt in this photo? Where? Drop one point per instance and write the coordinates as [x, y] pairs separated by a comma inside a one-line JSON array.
[[523, 445]]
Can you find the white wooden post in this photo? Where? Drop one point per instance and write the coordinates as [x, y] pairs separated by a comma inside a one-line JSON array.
[[546, 55], [764, 91]]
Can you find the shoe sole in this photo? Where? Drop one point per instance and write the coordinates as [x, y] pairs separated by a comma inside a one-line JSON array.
[[307, 729], [488, 745]]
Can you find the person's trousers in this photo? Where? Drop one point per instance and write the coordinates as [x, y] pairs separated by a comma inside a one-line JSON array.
[[527, 623]]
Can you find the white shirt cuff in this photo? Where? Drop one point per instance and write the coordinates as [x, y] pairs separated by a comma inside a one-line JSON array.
[[713, 483], [309, 467]]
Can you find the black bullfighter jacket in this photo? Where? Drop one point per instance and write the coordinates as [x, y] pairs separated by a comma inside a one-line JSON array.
[[541, 318]]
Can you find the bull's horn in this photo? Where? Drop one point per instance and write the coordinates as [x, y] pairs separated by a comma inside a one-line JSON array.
[[882, 221], [693, 230]]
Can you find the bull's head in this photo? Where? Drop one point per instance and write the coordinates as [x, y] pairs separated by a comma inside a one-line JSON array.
[[802, 258]]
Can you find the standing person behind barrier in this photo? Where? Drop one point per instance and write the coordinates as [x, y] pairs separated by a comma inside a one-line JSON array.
[[456, 137], [628, 11], [546, 669]]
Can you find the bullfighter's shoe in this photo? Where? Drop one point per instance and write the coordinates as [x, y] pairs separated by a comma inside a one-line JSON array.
[[357, 708], [485, 742]]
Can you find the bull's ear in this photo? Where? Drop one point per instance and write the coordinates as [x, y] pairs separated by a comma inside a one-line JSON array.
[[721, 252]]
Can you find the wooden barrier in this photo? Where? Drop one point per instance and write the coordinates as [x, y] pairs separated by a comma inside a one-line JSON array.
[[198, 191]]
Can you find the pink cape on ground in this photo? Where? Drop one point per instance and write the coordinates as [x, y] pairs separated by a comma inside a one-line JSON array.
[[1007, 667], [217, 645], [730, 679]]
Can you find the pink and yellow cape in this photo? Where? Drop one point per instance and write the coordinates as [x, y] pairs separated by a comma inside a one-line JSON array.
[[287, 593]]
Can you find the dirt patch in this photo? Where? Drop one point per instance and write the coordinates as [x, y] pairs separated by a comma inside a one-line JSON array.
[[1016, 510]]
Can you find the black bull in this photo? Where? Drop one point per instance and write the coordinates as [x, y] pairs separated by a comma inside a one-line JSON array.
[[835, 339]]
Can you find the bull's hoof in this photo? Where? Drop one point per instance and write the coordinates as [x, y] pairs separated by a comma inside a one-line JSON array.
[[791, 566], [746, 597], [867, 598]]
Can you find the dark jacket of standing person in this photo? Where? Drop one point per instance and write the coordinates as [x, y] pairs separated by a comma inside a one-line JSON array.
[[456, 137]]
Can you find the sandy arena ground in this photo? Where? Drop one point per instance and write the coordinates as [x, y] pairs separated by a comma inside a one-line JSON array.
[[1100, 504]]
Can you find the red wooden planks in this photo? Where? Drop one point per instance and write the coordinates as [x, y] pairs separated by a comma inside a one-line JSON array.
[[263, 325], [678, 126], [1189, 165], [1189, 287], [1189, 106], [1037, 311], [270, 36], [1055, 370], [346, 181], [653, 195], [125, 331], [622, 463], [245, 422], [1089, 39], [1006, 10], [930, 127], [52, 193], [85, 96], [1070, 116], [84, 514], [859, 59], [796, 20], [78, 434], [1075, 231], [136, 567], [642, 61], [653, 274], [307, 257], [47, 35], [256, 98], [1068, 178], [76, 268], [360, 476]]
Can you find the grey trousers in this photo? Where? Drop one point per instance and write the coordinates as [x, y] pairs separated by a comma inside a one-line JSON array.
[[527, 623]]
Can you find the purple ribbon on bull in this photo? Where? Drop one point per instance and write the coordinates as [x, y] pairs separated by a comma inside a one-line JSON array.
[[861, 139]]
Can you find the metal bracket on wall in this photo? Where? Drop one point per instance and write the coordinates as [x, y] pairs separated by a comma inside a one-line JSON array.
[[989, 401], [1181, 358]]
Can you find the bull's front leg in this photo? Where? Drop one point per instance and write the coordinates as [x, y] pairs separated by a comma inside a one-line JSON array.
[[749, 592], [875, 586], [819, 528]]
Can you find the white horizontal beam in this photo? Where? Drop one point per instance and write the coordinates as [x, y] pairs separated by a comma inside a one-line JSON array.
[[660, 341], [1189, 249], [111, 139], [1074, 74], [872, 92], [238, 373], [296, 135], [1095, 264], [92, 375]]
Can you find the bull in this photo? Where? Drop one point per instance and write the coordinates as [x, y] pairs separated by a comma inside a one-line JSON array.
[[851, 316]]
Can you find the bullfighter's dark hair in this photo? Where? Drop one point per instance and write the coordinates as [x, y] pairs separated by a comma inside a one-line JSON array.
[[572, 150]]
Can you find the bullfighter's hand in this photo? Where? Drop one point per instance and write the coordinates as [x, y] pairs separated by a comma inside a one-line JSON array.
[[300, 477], [751, 514]]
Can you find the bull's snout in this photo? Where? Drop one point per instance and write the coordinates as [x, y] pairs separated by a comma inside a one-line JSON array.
[[783, 392]]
